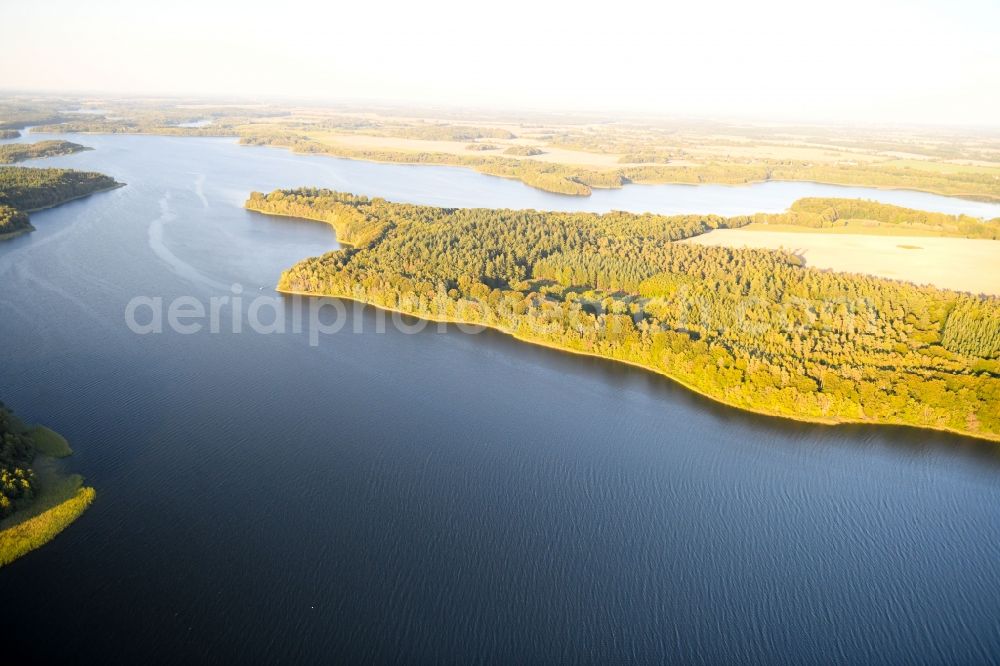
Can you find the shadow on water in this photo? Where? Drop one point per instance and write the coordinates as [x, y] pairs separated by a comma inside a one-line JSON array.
[[904, 440]]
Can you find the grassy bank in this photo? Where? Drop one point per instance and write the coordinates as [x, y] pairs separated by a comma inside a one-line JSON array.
[[25, 536], [62, 498], [38, 500], [50, 443]]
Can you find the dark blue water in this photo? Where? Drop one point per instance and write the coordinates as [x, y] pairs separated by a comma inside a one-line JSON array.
[[438, 496]]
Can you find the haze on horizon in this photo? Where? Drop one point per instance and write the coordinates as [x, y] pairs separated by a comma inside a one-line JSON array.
[[852, 61]]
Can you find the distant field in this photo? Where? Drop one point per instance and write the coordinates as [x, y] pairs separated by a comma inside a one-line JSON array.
[[946, 167], [951, 263], [788, 152], [852, 228], [405, 145]]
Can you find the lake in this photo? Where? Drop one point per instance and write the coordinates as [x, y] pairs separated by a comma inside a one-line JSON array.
[[442, 496]]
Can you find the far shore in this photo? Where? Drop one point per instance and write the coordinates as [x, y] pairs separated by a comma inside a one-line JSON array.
[[982, 198], [548, 156]]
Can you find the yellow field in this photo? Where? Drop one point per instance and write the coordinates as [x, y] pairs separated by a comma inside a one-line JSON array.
[[852, 227], [950, 263]]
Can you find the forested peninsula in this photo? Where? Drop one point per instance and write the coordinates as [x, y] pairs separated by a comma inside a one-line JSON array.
[[24, 189], [753, 329], [18, 152], [37, 502]]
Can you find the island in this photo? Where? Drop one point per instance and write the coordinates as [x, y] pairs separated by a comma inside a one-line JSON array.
[[751, 328], [18, 152], [37, 500], [25, 189]]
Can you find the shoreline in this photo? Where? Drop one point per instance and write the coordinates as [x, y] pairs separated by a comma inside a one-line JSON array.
[[995, 438], [21, 232], [10, 235], [336, 230], [35, 531], [61, 500], [79, 196]]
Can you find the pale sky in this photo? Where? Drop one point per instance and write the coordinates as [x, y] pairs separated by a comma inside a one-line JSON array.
[[850, 60]]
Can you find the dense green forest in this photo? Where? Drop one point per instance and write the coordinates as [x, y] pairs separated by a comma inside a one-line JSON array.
[[30, 189], [18, 152], [12, 220], [24, 189], [34, 507], [751, 328], [826, 213]]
